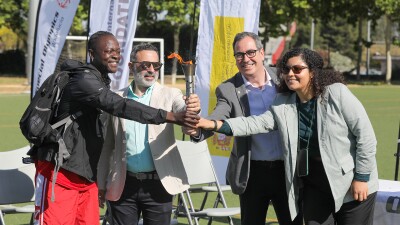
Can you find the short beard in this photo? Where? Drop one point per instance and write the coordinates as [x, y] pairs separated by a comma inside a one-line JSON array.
[[140, 80]]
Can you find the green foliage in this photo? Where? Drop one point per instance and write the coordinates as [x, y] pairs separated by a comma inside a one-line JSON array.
[[7, 40], [274, 14], [396, 41], [364, 9], [302, 4], [390, 7], [335, 35], [177, 12], [340, 62], [338, 35], [335, 27], [13, 15], [81, 16]]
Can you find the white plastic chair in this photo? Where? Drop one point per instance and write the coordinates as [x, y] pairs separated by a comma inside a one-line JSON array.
[[16, 183], [200, 171]]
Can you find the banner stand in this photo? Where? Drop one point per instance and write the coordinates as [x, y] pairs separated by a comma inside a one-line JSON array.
[[397, 155]]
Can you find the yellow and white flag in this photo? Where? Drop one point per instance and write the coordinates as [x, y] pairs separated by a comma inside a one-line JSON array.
[[220, 21]]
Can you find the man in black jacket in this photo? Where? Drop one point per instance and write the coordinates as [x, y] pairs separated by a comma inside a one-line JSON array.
[[88, 93]]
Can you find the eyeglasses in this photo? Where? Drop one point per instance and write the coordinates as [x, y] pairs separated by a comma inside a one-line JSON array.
[[295, 68], [250, 53], [146, 65]]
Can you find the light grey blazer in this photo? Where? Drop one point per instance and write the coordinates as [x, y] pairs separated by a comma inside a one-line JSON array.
[[232, 101], [346, 140], [111, 171]]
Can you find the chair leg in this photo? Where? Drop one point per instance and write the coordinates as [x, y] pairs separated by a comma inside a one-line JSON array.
[[178, 207], [230, 220], [2, 218], [31, 222], [217, 201], [210, 221], [196, 219], [203, 203], [187, 212]]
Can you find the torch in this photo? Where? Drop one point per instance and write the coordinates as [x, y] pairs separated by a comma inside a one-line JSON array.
[[188, 70]]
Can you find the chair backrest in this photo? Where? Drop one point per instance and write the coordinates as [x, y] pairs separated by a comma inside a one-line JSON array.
[[200, 170], [197, 162], [16, 178]]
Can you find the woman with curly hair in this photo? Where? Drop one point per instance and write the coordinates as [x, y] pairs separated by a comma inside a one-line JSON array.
[[328, 140]]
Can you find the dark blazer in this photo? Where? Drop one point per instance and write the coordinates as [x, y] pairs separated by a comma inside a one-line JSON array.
[[232, 102]]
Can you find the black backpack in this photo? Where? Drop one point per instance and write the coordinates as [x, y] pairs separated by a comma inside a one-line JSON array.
[[35, 122]]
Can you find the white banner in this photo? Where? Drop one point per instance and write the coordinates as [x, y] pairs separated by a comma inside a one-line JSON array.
[[54, 21], [387, 205], [220, 21], [119, 18]]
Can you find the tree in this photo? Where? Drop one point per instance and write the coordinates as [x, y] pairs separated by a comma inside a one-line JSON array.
[[178, 13], [274, 14], [353, 11], [81, 15], [391, 8], [338, 36], [361, 10], [13, 15]]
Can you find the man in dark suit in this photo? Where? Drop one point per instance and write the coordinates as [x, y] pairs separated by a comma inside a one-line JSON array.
[[255, 170]]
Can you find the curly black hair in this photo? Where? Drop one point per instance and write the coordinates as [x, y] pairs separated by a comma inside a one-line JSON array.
[[315, 64]]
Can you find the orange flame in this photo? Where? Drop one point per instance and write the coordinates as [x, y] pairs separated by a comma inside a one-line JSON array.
[[179, 58]]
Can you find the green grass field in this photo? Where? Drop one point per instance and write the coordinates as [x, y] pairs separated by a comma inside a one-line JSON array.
[[381, 102]]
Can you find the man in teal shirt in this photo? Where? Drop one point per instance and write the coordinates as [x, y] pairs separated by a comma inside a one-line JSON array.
[[138, 153], [140, 168]]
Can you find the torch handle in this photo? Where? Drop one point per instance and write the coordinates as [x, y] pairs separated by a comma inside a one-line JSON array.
[[189, 85], [188, 70]]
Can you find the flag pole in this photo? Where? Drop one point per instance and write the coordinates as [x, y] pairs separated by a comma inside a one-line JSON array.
[[34, 46], [396, 172], [190, 68], [192, 30], [88, 32]]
